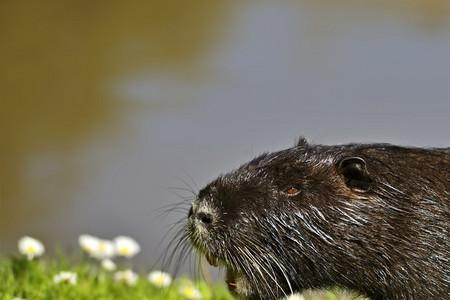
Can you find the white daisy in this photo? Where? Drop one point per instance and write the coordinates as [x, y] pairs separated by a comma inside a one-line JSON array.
[[65, 277], [88, 243], [190, 292], [295, 297], [160, 279], [104, 250], [95, 247], [30, 247], [126, 246], [128, 277], [108, 265]]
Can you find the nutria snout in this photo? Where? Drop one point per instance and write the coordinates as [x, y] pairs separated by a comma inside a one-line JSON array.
[[373, 218]]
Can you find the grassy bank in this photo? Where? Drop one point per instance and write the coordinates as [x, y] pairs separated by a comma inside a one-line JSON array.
[[103, 273], [35, 280]]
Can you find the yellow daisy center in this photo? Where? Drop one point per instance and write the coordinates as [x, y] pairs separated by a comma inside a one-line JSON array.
[[189, 292], [124, 250], [30, 249], [102, 247]]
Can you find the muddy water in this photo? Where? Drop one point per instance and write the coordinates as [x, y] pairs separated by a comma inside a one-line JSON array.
[[106, 108]]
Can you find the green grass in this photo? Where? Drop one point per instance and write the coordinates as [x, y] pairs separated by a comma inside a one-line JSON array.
[[33, 280]]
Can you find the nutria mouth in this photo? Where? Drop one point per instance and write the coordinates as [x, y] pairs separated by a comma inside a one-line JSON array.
[[234, 279], [231, 275], [231, 279]]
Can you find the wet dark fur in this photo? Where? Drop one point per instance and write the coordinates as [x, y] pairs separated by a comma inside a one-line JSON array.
[[371, 218]]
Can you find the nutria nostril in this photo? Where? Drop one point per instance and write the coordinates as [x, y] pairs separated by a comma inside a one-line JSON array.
[[205, 218]]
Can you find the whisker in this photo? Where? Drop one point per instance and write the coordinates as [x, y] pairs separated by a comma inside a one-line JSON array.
[[188, 186]]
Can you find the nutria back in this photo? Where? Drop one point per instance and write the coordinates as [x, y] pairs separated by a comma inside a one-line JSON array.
[[372, 218]]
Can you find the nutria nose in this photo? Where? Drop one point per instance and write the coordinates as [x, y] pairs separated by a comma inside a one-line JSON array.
[[204, 217], [201, 213]]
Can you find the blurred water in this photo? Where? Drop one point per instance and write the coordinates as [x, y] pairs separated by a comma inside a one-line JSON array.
[[105, 107]]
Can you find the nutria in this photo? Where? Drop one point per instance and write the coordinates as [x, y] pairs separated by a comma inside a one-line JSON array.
[[372, 218]]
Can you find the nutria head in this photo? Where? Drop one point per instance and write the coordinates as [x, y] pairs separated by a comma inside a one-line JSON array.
[[320, 216]]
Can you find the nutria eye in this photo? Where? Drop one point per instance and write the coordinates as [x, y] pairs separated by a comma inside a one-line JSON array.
[[292, 191]]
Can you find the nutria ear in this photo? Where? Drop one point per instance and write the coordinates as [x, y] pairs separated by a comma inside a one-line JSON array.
[[355, 173]]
